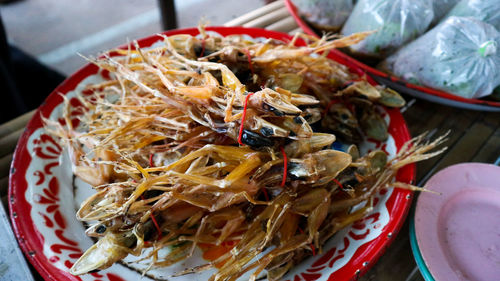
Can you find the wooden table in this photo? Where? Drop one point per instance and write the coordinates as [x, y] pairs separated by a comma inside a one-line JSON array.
[[474, 137]]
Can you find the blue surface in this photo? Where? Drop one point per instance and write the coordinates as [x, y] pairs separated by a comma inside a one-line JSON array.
[[416, 251], [497, 162]]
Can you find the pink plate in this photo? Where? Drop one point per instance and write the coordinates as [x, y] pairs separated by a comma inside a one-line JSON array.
[[43, 196], [458, 231], [397, 83]]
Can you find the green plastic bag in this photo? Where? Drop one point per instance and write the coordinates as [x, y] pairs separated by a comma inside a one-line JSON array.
[[461, 55], [328, 15], [395, 23], [484, 10], [441, 8]]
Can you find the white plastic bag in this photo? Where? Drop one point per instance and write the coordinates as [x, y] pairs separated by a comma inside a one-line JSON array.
[[460, 55], [324, 14], [485, 10], [395, 23]]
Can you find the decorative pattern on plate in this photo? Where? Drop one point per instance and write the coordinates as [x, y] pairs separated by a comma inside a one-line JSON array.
[[43, 199]]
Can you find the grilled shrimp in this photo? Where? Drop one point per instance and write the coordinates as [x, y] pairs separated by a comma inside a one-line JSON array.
[[212, 140]]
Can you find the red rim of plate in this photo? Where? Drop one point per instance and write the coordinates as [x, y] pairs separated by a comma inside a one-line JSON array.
[[351, 61], [31, 241]]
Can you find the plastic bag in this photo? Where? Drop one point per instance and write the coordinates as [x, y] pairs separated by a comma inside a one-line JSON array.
[[327, 15], [441, 8], [395, 23], [485, 10], [460, 55]]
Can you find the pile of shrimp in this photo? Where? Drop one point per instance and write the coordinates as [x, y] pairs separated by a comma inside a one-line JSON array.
[[214, 139]]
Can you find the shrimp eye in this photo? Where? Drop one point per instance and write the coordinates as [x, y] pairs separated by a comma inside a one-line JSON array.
[[273, 110], [100, 229], [255, 140], [297, 120], [266, 132]]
